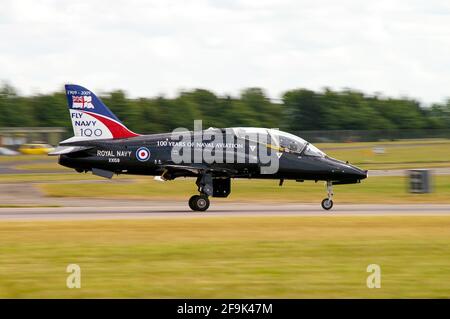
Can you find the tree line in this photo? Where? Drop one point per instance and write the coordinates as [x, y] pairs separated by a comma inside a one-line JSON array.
[[298, 110]]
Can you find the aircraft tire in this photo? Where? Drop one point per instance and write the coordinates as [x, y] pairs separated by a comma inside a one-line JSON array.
[[191, 202], [199, 203], [327, 204]]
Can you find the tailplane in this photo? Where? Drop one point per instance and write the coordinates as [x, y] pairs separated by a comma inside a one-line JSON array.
[[91, 118]]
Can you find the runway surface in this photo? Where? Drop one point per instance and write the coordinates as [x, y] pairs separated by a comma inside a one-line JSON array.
[[103, 209]]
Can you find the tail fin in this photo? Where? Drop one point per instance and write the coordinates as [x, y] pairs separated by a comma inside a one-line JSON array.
[[91, 119]]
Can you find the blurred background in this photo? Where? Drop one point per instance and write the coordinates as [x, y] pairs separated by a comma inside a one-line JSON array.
[[366, 82]]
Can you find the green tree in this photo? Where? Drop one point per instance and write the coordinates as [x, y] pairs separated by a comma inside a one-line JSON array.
[[14, 110], [267, 114], [303, 110]]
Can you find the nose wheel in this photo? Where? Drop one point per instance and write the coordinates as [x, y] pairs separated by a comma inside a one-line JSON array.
[[199, 203], [327, 203]]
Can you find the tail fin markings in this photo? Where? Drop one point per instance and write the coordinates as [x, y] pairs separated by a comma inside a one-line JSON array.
[[91, 118]]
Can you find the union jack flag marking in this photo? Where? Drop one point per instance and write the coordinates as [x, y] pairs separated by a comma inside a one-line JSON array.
[[82, 102]]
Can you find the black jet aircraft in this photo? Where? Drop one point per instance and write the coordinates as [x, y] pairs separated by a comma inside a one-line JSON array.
[[104, 146]]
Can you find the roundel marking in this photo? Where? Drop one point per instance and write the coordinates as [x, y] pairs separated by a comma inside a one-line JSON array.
[[143, 154]]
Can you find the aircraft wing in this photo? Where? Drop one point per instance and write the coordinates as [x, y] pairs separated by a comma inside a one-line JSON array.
[[200, 168], [60, 150]]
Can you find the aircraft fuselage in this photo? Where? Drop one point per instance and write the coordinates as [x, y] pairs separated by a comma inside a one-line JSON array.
[[120, 157]]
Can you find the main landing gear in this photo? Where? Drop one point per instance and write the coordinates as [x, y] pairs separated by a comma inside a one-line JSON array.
[[327, 203], [199, 203], [209, 186]]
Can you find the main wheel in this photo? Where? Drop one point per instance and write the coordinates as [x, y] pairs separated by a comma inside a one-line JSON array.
[[327, 204], [199, 203], [191, 202]]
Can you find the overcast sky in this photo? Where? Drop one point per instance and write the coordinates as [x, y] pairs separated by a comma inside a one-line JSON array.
[[396, 47]]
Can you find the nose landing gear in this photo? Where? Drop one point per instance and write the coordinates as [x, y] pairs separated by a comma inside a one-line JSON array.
[[327, 203]]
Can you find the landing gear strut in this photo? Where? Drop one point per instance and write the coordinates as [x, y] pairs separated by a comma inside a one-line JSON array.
[[200, 203], [327, 203]]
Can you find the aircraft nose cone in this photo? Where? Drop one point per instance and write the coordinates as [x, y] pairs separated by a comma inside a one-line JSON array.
[[352, 172], [358, 173], [345, 171]]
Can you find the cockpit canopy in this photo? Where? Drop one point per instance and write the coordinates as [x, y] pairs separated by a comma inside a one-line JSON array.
[[284, 140]]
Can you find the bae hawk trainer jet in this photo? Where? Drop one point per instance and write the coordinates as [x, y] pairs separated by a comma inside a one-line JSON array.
[[103, 145]]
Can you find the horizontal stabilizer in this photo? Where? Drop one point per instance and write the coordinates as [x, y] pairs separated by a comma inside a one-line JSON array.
[[60, 150]]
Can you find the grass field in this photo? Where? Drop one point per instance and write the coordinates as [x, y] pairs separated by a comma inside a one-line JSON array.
[[21, 158], [54, 166], [400, 142], [233, 257], [431, 154], [218, 257], [68, 176], [371, 190]]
